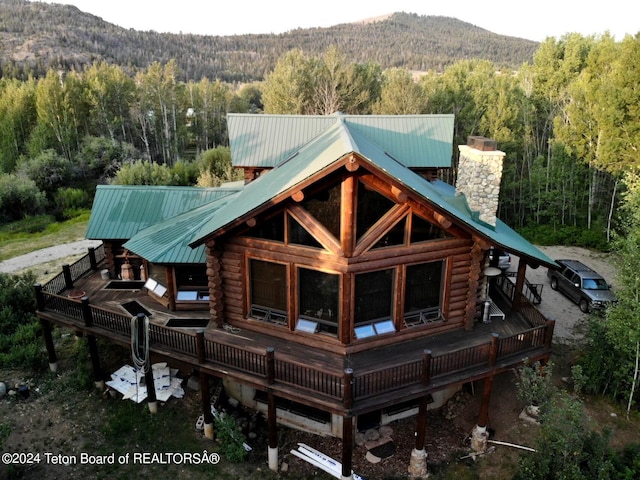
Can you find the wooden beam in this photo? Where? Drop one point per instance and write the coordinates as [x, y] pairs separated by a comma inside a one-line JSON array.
[[352, 164], [442, 220], [348, 206], [317, 230], [298, 196], [251, 222], [399, 195]]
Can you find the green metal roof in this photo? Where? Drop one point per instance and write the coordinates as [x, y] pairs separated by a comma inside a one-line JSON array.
[[167, 242], [170, 229], [342, 138], [418, 141], [120, 211]]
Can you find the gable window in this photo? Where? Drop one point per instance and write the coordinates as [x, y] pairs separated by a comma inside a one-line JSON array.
[[423, 231], [325, 206], [373, 297], [371, 207], [319, 299], [423, 293], [268, 292], [269, 229], [299, 236]]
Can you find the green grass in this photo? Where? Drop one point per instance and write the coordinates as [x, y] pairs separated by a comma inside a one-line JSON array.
[[26, 236]]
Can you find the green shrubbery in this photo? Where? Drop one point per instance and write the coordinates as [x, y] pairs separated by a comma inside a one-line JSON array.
[[565, 447], [567, 235], [19, 197], [20, 345]]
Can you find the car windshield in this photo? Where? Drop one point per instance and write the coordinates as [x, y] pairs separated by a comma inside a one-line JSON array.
[[595, 284]]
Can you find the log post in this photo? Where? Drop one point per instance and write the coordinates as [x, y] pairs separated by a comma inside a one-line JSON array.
[[271, 365], [272, 424], [518, 292], [348, 388], [206, 405], [48, 342], [479, 435], [200, 346], [98, 378], [40, 303], [92, 258], [347, 447], [87, 315], [418, 461], [66, 272], [152, 401], [551, 324]]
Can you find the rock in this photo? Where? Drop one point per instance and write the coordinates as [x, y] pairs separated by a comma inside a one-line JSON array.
[[360, 439], [3, 389], [371, 434], [194, 383], [284, 467], [386, 431]]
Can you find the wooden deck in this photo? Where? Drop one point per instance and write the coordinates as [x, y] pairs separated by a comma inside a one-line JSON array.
[[353, 383]]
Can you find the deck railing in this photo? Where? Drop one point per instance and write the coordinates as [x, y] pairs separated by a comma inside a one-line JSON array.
[[269, 370]]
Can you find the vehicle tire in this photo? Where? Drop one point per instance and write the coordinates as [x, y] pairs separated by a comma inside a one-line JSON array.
[[554, 283], [584, 306]]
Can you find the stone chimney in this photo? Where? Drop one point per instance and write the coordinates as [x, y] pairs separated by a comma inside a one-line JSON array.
[[479, 176]]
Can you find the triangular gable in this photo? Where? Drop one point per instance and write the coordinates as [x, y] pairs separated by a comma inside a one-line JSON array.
[[334, 144]]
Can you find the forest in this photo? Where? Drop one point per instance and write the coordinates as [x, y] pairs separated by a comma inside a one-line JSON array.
[[568, 122], [38, 36]]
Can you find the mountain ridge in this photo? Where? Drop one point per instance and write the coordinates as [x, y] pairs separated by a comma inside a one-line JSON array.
[[38, 36]]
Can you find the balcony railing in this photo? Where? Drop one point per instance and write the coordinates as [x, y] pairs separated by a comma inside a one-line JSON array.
[[265, 368]]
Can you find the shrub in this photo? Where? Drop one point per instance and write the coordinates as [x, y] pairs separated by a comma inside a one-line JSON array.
[[231, 439], [20, 344], [68, 201], [100, 157], [19, 197], [49, 171]]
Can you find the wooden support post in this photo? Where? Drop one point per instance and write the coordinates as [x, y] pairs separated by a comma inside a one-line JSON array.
[[87, 315], [518, 291], [347, 447], [273, 431], [200, 346], [40, 303], [271, 365], [48, 342], [551, 325], [426, 367], [479, 435], [418, 461], [95, 362], [348, 388], [66, 272], [92, 258], [205, 402], [422, 423], [152, 401]]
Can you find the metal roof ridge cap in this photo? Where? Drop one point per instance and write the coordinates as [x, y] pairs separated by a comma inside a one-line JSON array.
[[346, 134]]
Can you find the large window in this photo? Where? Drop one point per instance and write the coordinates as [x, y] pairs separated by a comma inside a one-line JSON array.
[[373, 296], [268, 291], [319, 297], [423, 293]]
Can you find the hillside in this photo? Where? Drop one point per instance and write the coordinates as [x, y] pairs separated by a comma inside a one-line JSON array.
[[37, 36]]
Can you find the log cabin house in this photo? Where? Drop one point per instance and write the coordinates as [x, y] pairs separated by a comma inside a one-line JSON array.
[[342, 283]]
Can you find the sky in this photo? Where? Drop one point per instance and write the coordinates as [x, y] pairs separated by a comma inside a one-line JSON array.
[[534, 20]]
